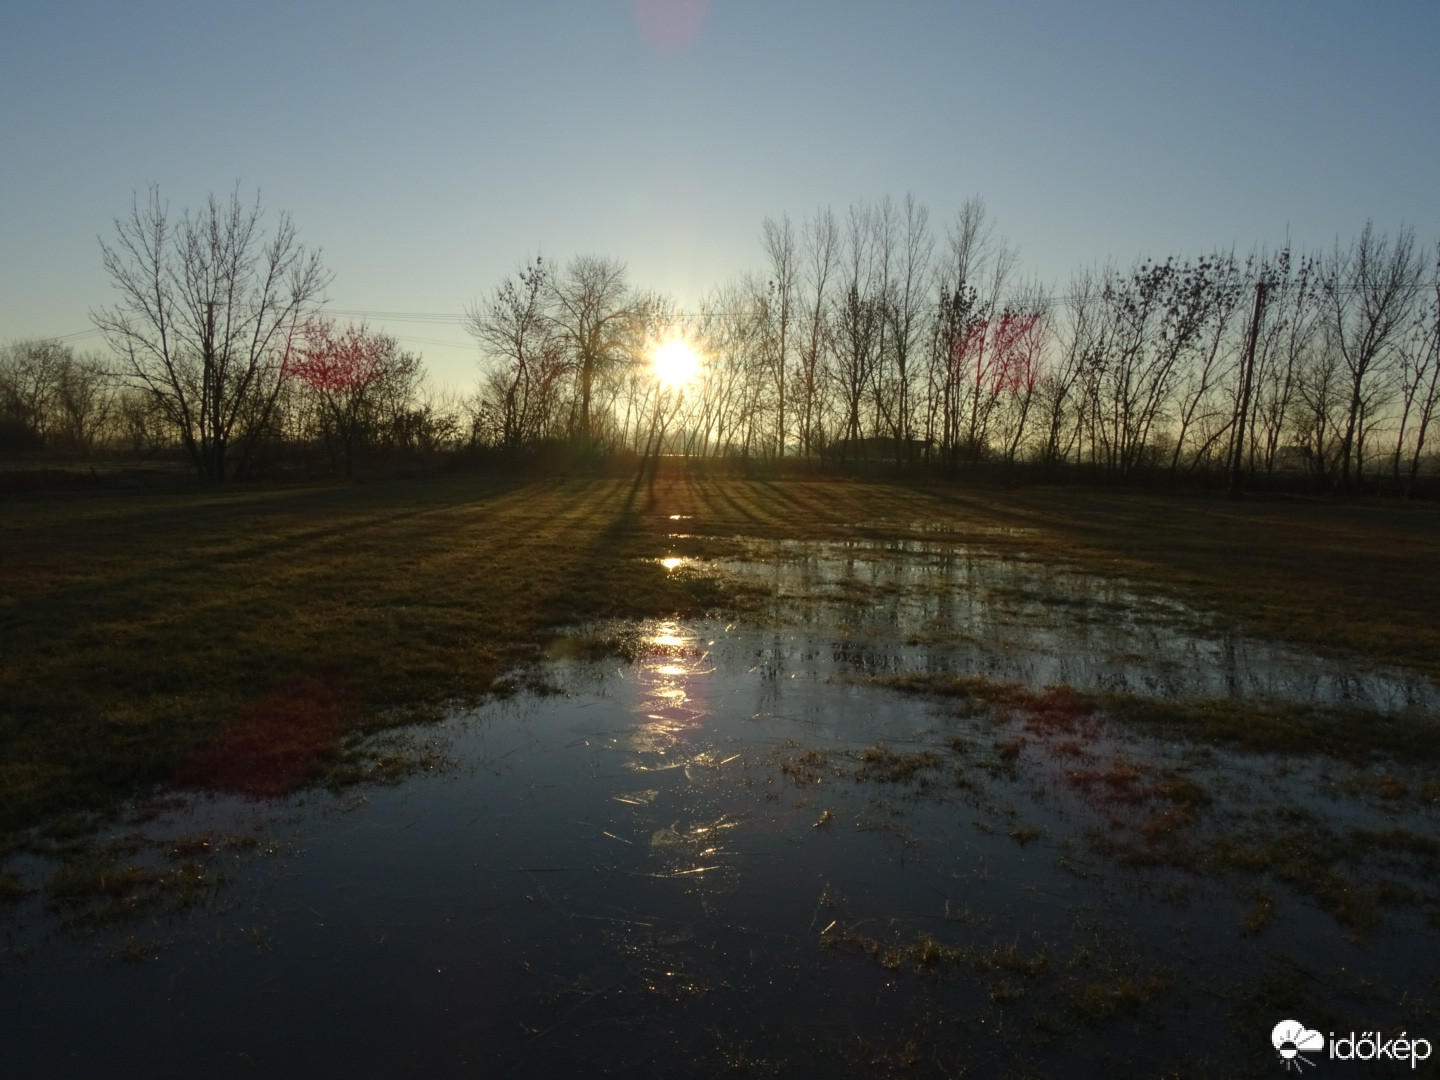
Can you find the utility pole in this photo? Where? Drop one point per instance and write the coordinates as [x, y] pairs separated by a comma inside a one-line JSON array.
[[1247, 375]]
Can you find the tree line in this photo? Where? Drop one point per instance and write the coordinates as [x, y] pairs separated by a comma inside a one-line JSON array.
[[865, 336], [862, 337], [217, 347]]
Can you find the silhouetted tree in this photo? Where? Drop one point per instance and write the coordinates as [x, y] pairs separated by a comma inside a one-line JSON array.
[[209, 311], [362, 382], [1419, 384], [820, 260], [52, 396], [1370, 292], [781, 294], [593, 311], [522, 344]]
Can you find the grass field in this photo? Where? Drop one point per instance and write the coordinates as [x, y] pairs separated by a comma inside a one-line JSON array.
[[234, 637]]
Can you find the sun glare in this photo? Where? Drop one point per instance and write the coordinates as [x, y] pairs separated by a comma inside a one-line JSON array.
[[676, 363]]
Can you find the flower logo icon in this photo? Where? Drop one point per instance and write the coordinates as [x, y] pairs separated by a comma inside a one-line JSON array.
[[1289, 1037]]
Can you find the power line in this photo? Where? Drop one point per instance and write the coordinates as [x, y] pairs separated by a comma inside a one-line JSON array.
[[451, 318], [436, 341], [397, 316]]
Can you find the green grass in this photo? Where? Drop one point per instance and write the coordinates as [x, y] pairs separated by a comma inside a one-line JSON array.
[[154, 639], [149, 638], [1344, 732], [1354, 578]]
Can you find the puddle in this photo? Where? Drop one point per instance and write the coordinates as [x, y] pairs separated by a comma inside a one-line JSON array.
[[906, 605], [735, 855]]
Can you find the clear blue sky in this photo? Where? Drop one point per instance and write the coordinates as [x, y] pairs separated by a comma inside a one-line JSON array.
[[427, 149]]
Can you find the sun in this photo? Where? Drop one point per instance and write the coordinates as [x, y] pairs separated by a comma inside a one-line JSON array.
[[675, 363]]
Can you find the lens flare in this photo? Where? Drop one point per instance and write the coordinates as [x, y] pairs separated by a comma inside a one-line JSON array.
[[671, 26]]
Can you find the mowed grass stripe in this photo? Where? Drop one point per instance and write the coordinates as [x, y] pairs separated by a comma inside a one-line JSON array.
[[134, 629], [1359, 579], [109, 681]]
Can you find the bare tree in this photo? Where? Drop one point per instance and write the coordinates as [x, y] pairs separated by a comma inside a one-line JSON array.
[[209, 312], [593, 311], [1062, 389], [971, 284], [1419, 384], [724, 407], [821, 260], [1200, 332], [1370, 292], [85, 403], [363, 384], [518, 336], [1288, 334], [52, 396], [1156, 314], [885, 243], [857, 323], [31, 373], [905, 314], [782, 291], [1320, 399], [1022, 369], [141, 423]]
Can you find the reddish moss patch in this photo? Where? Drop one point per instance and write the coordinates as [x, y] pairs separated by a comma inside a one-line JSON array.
[[273, 747]]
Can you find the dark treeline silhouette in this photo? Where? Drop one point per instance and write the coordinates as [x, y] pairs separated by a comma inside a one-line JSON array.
[[866, 341], [869, 342], [217, 350]]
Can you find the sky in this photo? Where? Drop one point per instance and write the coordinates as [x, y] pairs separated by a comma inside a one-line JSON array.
[[427, 150]]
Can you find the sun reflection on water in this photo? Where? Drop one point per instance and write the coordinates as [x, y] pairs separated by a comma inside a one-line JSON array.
[[671, 708]]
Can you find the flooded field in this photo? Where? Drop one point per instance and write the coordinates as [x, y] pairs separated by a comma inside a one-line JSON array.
[[928, 812]]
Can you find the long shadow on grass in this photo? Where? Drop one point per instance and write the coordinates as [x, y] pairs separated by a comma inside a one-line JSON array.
[[212, 528], [451, 599]]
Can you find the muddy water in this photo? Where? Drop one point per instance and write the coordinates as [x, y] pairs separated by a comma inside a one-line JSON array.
[[734, 856]]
